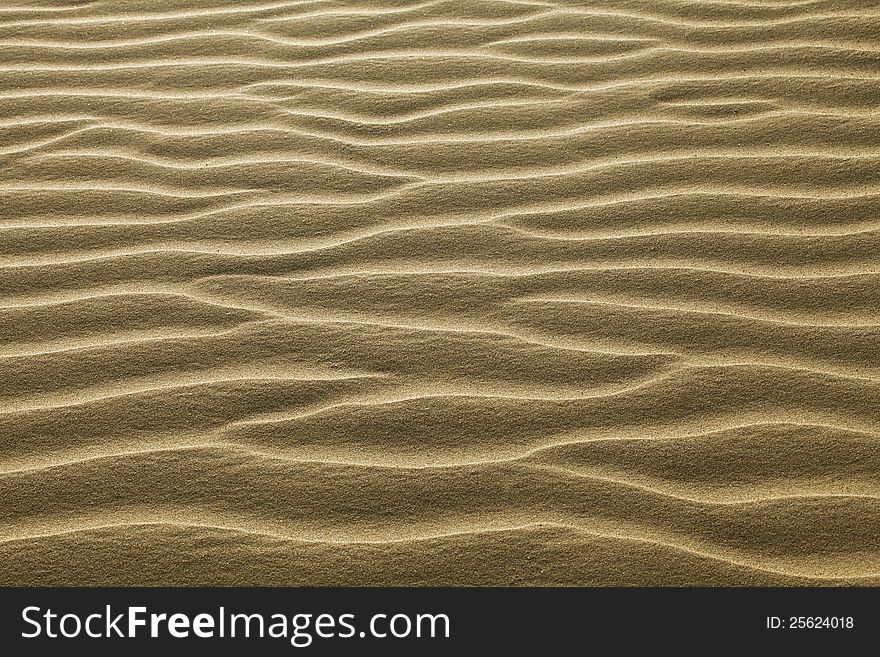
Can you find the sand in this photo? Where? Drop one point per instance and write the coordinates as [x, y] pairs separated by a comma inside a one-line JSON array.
[[447, 292]]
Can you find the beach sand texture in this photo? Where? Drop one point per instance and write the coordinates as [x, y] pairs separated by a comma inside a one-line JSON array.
[[443, 292]]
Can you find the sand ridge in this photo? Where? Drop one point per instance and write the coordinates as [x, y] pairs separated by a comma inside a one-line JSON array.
[[564, 292]]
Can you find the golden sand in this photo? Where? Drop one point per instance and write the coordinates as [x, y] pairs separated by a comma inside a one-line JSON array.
[[441, 292]]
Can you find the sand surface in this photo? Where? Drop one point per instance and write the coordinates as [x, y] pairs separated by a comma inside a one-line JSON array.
[[441, 292]]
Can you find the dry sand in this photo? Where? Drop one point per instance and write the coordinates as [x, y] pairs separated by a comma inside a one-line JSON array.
[[442, 292]]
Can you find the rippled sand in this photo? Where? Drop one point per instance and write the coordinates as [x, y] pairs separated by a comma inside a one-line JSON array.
[[443, 292]]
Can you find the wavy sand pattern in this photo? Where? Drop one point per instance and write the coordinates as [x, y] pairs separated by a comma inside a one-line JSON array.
[[442, 292]]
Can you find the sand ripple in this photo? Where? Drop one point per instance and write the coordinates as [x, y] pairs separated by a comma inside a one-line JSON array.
[[443, 292]]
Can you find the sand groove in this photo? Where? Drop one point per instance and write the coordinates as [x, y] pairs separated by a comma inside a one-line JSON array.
[[442, 292]]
